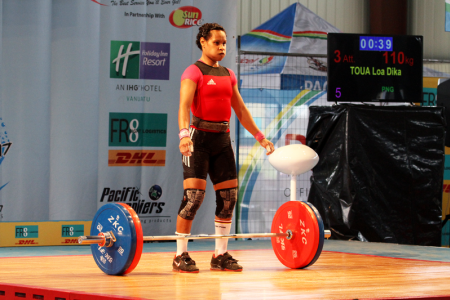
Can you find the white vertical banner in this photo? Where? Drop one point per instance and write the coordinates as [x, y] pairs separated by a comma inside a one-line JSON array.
[[74, 110], [48, 110], [24, 111], [89, 102], [144, 48]]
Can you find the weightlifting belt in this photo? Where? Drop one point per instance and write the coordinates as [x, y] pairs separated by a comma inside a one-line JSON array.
[[216, 126]]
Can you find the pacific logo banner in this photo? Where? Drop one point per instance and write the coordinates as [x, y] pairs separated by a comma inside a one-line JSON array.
[[139, 60]]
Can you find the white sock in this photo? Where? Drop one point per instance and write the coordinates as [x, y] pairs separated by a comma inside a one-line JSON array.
[[182, 243], [222, 228]]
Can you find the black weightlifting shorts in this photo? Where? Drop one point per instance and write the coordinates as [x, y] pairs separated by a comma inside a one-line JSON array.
[[213, 155]]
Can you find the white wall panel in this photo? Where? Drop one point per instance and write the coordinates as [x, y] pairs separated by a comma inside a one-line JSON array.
[[351, 16], [441, 67], [427, 18]]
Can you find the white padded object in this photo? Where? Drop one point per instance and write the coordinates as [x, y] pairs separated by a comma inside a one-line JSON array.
[[294, 159]]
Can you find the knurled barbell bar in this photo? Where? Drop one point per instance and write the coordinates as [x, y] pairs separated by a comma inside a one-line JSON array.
[[116, 238], [107, 239]]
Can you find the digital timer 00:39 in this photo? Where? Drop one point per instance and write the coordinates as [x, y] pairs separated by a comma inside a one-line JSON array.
[[375, 43]]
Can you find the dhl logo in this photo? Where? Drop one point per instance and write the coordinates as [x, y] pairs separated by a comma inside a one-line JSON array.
[[137, 158], [70, 241], [27, 242]]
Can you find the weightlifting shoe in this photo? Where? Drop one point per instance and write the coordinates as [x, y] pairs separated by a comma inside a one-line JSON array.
[[225, 262], [184, 264]]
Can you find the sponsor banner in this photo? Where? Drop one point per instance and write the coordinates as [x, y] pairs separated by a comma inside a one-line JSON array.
[[27, 232], [186, 16], [446, 199], [148, 203], [261, 64], [303, 82], [284, 117], [136, 158], [125, 61], [447, 15], [445, 237], [430, 91], [272, 81], [18, 234], [71, 230], [5, 146], [312, 77], [137, 129], [447, 164], [139, 60], [5, 142], [252, 64], [429, 96], [144, 49]]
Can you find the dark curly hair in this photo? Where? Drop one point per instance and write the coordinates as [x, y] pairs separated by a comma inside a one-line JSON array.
[[205, 32]]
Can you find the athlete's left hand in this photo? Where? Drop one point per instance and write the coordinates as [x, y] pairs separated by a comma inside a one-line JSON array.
[[265, 143]]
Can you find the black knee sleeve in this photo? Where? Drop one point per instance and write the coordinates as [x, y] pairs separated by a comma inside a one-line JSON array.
[[192, 200], [225, 201]]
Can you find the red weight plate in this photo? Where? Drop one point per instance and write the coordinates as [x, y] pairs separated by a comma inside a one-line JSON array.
[[139, 237], [300, 250]]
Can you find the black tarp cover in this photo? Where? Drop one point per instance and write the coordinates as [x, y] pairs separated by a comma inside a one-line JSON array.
[[380, 172], [443, 99]]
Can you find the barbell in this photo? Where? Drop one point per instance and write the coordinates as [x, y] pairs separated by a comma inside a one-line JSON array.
[[116, 239], [297, 231]]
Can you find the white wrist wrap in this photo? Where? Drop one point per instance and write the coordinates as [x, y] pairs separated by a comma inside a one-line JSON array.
[[183, 133]]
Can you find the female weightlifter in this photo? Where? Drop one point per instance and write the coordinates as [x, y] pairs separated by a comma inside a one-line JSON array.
[[209, 91]]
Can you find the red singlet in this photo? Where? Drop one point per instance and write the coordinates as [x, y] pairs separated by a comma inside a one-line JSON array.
[[212, 99]]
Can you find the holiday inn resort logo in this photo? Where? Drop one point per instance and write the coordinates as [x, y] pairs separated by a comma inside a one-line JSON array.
[[139, 60]]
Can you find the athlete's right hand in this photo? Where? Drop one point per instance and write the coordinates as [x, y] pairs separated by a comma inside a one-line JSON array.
[[186, 146]]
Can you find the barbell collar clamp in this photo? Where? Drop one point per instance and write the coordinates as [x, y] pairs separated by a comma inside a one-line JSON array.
[[91, 239]]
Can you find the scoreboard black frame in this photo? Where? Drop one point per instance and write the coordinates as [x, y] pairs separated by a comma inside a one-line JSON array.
[[375, 68]]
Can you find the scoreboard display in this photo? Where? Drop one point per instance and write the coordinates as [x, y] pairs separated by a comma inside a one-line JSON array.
[[375, 68]]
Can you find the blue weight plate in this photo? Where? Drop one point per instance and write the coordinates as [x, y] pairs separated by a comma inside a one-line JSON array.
[[114, 260], [321, 234]]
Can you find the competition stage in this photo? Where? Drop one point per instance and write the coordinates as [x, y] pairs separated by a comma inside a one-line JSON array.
[[344, 270]]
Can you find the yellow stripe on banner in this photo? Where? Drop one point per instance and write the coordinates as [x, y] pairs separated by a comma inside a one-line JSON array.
[[257, 149], [447, 150], [312, 36], [270, 36], [51, 233], [430, 82]]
